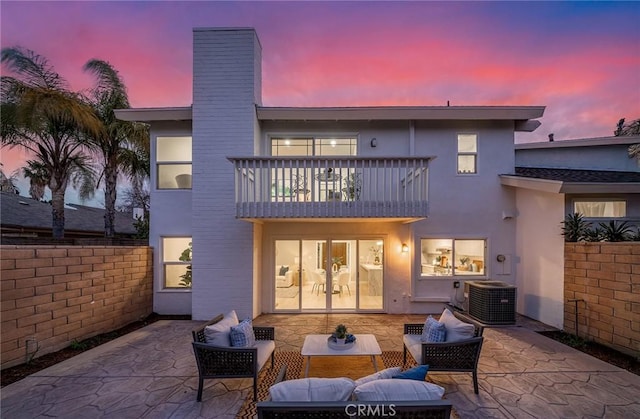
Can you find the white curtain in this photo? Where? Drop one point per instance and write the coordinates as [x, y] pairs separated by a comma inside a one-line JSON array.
[[608, 209]]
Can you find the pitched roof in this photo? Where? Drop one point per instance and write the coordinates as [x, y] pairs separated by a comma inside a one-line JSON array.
[[19, 212], [573, 180], [575, 175]]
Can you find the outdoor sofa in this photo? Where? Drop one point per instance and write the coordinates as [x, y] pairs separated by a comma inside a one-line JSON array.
[[423, 409]]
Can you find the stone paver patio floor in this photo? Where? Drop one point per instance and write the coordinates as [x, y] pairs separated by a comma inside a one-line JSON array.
[[151, 373]]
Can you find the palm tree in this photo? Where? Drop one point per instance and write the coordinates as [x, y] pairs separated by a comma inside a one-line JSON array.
[[124, 146], [7, 183], [41, 115], [632, 128], [37, 174]]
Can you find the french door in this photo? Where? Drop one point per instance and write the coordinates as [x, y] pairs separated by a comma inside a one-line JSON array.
[[325, 275]]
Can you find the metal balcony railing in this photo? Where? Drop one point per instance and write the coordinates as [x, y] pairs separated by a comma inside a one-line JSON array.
[[336, 187]]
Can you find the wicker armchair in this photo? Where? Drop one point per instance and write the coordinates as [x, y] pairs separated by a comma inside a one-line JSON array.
[[232, 362], [460, 356]]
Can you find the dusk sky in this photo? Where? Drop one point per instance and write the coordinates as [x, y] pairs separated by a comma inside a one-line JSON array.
[[579, 59]]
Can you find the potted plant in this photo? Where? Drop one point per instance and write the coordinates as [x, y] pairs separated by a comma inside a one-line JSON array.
[[352, 187], [340, 333], [186, 257]]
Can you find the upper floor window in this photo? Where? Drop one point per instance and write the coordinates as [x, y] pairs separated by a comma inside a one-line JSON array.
[[314, 146], [453, 257], [600, 209], [331, 182], [173, 159], [467, 153]]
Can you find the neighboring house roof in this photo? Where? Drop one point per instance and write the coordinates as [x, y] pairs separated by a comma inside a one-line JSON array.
[[20, 214], [523, 115], [582, 142], [573, 180]]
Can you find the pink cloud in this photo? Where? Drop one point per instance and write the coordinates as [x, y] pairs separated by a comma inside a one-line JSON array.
[[580, 60]]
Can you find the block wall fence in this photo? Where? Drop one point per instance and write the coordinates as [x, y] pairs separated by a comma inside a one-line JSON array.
[[54, 295], [605, 277]]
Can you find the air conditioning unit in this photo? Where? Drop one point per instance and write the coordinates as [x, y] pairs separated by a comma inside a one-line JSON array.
[[492, 302]]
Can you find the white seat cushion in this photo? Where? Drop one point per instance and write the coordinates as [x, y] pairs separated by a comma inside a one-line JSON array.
[[218, 334], [313, 390], [456, 329], [265, 348], [390, 389], [414, 346]]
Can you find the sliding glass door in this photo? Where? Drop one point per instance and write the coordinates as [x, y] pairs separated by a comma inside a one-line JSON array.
[[328, 275]]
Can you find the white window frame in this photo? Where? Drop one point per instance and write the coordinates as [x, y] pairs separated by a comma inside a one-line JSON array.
[[165, 163], [454, 272], [600, 200], [283, 187], [466, 153], [164, 264]]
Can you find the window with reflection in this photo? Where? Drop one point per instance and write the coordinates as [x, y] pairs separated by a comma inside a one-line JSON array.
[[173, 162], [453, 257], [467, 153], [292, 181], [176, 262]]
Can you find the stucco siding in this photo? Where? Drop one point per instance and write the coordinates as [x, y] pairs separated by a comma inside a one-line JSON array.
[[610, 157], [540, 251], [468, 206], [170, 217]]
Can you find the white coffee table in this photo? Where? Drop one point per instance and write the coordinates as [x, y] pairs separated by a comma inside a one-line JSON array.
[[316, 345]]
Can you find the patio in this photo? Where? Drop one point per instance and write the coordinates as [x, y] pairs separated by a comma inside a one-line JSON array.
[[151, 373]]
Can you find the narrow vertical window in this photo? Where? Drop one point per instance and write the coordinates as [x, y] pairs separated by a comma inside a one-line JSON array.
[[467, 153], [176, 262]]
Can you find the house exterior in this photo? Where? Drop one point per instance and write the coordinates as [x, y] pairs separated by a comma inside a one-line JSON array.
[[594, 177], [363, 209]]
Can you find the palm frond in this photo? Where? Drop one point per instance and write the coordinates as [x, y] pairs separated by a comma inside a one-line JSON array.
[[83, 177], [34, 70], [108, 80], [634, 152]]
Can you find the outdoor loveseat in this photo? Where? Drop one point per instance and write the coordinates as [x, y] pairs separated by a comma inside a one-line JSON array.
[[427, 409], [226, 361], [457, 356]]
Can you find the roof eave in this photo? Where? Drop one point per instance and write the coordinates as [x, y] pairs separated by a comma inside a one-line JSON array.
[[543, 185], [557, 186], [600, 187], [155, 114], [514, 113]]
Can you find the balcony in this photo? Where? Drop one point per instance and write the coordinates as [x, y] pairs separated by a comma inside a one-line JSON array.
[[336, 187]]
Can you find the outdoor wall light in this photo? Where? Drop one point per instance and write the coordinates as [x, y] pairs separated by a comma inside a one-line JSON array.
[[374, 142], [405, 247]]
